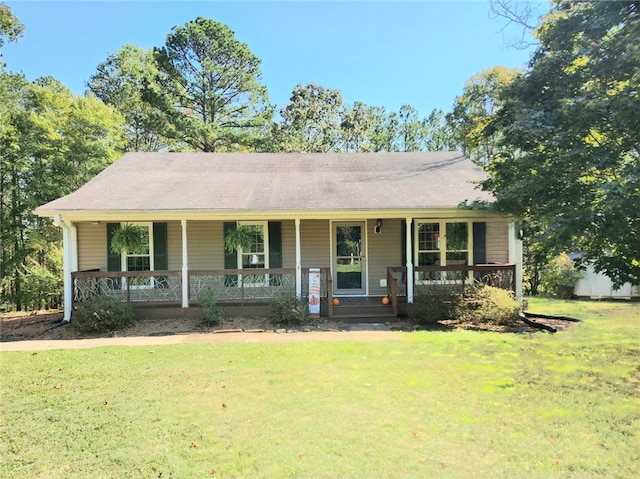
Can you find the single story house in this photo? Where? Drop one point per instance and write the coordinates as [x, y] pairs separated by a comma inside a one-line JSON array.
[[374, 224]]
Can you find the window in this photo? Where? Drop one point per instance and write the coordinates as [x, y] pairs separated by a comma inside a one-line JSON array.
[[257, 256], [441, 244], [141, 261]]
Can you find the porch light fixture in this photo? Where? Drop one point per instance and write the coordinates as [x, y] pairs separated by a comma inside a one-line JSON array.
[[378, 229]]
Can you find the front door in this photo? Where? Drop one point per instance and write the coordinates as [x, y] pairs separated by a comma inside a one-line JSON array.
[[349, 258]]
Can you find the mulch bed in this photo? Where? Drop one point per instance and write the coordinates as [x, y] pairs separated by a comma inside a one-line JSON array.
[[46, 325]]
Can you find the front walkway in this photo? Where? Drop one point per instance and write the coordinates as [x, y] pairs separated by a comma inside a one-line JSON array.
[[354, 334]]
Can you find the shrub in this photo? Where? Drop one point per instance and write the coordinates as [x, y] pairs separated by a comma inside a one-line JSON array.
[[212, 312], [287, 310], [432, 303], [485, 304], [102, 314], [41, 288], [559, 277]]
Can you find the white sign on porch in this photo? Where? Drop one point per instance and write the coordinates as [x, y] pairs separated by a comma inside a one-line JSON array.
[[314, 292]]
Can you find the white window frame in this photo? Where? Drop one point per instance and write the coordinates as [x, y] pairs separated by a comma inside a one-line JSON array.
[[442, 243], [124, 256], [265, 253]]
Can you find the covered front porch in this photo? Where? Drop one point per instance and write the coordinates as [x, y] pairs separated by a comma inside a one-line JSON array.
[[248, 292]]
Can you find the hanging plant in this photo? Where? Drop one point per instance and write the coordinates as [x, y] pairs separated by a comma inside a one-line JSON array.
[[129, 239], [241, 238], [457, 236]]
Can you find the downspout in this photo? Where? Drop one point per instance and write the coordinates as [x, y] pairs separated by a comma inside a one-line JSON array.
[[68, 263]]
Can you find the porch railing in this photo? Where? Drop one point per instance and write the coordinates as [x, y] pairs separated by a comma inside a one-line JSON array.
[[128, 286], [165, 287], [251, 285], [499, 275]]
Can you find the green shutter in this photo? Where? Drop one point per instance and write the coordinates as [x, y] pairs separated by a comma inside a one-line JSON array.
[[160, 247], [230, 258], [275, 244], [275, 251], [114, 260], [479, 243]]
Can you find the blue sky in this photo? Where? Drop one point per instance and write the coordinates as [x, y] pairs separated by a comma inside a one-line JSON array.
[[381, 53]]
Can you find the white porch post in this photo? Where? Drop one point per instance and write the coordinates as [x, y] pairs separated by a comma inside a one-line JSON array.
[[185, 266], [298, 261], [409, 249], [70, 262], [515, 256]]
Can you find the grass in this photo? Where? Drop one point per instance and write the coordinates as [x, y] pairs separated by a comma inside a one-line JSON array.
[[432, 404]]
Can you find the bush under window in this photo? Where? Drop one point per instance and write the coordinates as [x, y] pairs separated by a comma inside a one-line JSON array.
[[101, 314], [212, 312], [287, 310], [488, 305]]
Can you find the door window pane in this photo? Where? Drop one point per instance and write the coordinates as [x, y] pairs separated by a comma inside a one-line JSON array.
[[349, 265]]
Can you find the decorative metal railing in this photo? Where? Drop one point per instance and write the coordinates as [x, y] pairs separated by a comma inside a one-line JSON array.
[[498, 275], [241, 285], [229, 285], [129, 286]]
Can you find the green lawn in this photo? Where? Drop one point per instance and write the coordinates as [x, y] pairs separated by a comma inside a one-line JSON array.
[[432, 404]]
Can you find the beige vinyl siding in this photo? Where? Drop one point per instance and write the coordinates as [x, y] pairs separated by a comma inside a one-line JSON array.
[[205, 244], [498, 241], [288, 244], [314, 239], [384, 249], [92, 246]]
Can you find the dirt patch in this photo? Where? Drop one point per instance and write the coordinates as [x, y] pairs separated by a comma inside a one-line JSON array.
[[43, 326], [47, 325]]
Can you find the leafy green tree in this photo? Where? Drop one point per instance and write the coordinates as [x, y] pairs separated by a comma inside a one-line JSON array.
[[12, 90], [569, 135], [474, 110], [10, 26], [386, 130], [121, 81], [437, 132], [357, 124], [311, 122], [209, 88], [410, 129], [51, 142]]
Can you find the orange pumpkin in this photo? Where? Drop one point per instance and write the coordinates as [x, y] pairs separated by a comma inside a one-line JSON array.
[[336, 302], [385, 300]]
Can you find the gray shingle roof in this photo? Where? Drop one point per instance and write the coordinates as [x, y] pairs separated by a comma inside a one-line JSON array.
[[266, 181]]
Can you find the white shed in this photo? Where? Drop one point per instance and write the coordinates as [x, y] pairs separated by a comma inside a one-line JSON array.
[[597, 285]]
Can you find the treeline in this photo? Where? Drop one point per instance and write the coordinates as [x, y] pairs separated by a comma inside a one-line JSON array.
[[202, 91], [560, 139]]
